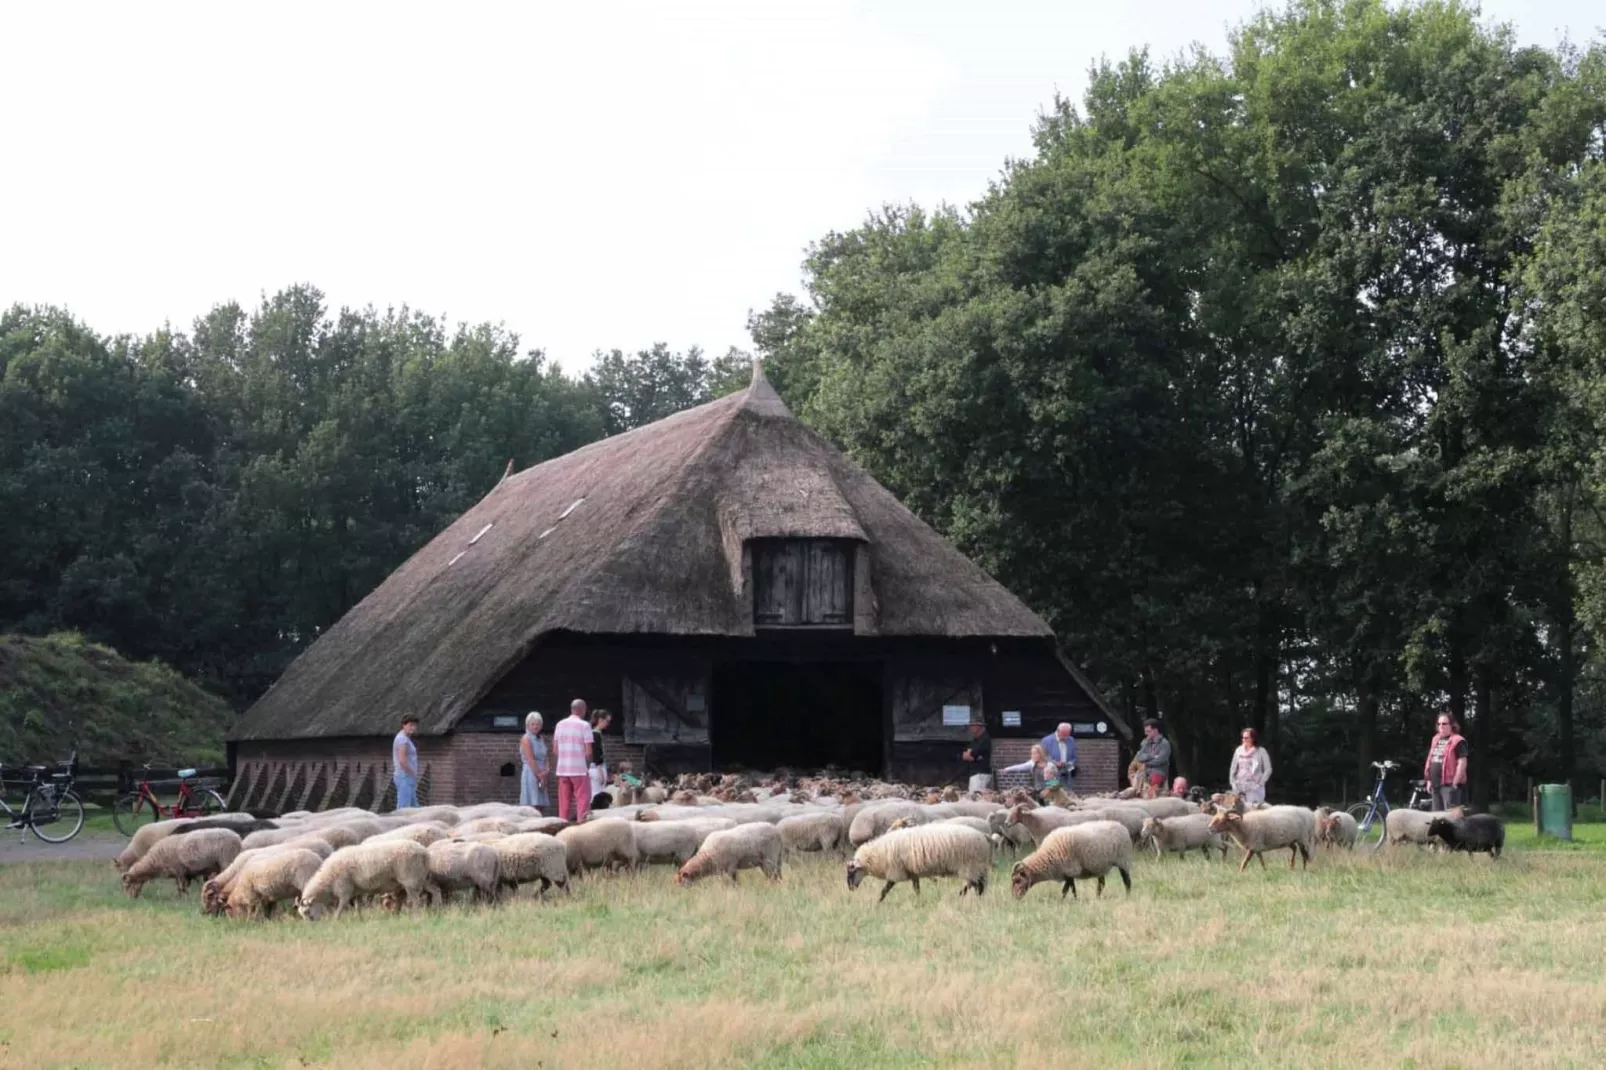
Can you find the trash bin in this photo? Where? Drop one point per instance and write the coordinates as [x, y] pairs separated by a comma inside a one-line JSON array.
[[1556, 810]]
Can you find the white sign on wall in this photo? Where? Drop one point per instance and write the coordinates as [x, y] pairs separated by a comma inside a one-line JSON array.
[[1011, 718], [955, 715]]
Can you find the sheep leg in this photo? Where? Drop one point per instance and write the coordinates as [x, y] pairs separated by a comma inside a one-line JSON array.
[[1069, 886], [885, 890], [1100, 893], [1262, 858], [1126, 879], [914, 882]]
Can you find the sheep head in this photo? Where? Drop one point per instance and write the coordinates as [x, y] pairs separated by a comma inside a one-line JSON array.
[[131, 886], [1020, 882], [647, 815], [1224, 820], [1443, 828], [855, 873]]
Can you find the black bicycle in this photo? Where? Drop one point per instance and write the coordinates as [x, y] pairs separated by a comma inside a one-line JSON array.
[[50, 807]]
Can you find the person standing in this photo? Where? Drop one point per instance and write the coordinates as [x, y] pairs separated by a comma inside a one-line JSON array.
[[1446, 767], [532, 755], [1250, 769], [1155, 754], [980, 757], [572, 740], [404, 764], [598, 766], [1061, 750]]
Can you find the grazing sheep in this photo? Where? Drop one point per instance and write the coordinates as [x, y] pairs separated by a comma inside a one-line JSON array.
[[875, 819], [273, 837], [752, 845], [1475, 833], [526, 857], [215, 892], [1411, 826], [1335, 828], [599, 843], [933, 850], [239, 824], [367, 869], [1183, 834], [422, 834], [812, 832], [1127, 816], [145, 837], [455, 866], [271, 876], [1073, 853], [664, 842], [1165, 806], [202, 854], [1271, 829], [1039, 822], [502, 825]]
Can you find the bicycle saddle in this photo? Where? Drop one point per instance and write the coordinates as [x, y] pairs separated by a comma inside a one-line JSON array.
[[185, 774]]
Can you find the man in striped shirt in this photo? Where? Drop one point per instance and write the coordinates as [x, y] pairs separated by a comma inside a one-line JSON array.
[[572, 742]]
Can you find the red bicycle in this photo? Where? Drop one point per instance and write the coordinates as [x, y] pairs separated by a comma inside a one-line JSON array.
[[141, 805]]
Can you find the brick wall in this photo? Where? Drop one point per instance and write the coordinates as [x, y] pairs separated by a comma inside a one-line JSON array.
[[1098, 764]]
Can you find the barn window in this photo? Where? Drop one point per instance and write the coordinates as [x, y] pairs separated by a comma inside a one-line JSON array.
[[802, 582]]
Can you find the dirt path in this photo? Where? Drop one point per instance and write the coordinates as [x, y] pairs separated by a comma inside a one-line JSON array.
[[93, 846]]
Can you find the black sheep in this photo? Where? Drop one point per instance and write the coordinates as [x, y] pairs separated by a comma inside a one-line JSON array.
[[1479, 832]]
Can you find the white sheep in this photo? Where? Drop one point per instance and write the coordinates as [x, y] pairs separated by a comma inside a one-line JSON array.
[[215, 892], [821, 831], [1164, 806], [455, 866], [145, 837], [874, 819], [599, 843], [1183, 834], [526, 857], [271, 876], [665, 842], [1411, 826], [1335, 828], [367, 869], [423, 833], [747, 846], [549, 825], [1040, 821], [1127, 816], [1073, 853], [197, 854], [1271, 829], [506, 826], [931, 850]]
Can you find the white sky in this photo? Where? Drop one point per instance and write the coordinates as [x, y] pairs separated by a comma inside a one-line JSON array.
[[592, 174]]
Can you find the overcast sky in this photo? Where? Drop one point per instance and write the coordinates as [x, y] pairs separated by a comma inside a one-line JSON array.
[[594, 174]]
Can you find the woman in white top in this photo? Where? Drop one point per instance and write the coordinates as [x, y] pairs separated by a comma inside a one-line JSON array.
[[1251, 768]]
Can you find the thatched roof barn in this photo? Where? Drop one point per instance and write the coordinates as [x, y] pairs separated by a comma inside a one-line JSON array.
[[736, 588]]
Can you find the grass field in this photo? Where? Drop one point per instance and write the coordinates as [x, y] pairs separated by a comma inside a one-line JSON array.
[[1410, 960]]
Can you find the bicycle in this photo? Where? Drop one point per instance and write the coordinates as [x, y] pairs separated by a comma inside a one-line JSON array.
[[130, 810], [1371, 816], [49, 803]]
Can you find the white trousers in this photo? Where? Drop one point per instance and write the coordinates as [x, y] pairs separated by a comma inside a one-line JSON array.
[[981, 782]]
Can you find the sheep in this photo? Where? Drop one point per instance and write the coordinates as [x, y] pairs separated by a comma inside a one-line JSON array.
[[549, 825], [215, 892], [454, 866], [424, 834], [1182, 834], [1411, 826], [201, 854], [1076, 852], [1043, 820], [598, 843], [270, 877], [1271, 829], [239, 824], [1165, 806], [526, 857], [367, 869], [1127, 816], [821, 831], [1335, 828], [1475, 833], [874, 819], [654, 793], [487, 824], [273, 837], [146, 837], [935, 850], [664, 841], [754, 844]]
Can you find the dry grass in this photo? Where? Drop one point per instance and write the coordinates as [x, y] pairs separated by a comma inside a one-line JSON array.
[[1412, 960]]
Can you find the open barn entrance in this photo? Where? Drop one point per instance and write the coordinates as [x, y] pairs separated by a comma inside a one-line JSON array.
[[770, 713]]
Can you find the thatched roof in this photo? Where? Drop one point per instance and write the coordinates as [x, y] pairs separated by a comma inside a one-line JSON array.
[[639, 533]]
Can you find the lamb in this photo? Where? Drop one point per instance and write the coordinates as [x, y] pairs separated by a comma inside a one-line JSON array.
[[454, 866], [671, 842], [215, 892], [821, 831], [201, 854], [270, 877], [526, 857], [1271, 829], [146, 837], [367, 869], [1076, 852], [1335, 828], [1475, 833], [755, 844], [939, 850], [1183, 834], [599, 843]]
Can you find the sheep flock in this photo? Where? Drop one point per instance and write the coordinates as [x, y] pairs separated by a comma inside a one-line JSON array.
[[319, 865]]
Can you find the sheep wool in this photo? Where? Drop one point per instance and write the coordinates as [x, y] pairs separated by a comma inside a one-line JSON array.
[[145, 837], [1271, 829], [455, 866], [933, 850], [269, 878], [367, 869], [200, 854], [528, 857], [821, 831], [664, 842], [1335, 828], [754, 845], [599, 842], [1183, 834], [1478, 832], [1073, 853]]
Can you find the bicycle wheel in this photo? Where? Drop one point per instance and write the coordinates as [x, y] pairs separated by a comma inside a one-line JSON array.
[[63, 820], [209, 802], [131, 811], [1367, 835]]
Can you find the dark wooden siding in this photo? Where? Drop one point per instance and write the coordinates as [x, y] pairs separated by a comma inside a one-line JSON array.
[[801, 582]]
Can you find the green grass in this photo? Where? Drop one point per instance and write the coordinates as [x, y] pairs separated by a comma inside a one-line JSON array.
[[1409, 959]]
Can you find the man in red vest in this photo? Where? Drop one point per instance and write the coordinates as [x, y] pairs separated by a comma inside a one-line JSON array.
[[1446, 767]]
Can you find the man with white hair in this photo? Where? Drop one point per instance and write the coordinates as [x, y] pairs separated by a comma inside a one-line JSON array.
[[532, 756], [1061, 750], [572, 740]]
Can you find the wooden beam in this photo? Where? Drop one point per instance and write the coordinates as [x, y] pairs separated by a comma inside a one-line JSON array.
[[1093, 693]]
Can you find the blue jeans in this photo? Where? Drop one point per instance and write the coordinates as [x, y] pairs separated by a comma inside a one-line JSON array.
[[406, 790]]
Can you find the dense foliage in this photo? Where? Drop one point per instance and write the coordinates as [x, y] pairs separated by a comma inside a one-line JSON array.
[[1275, 379]]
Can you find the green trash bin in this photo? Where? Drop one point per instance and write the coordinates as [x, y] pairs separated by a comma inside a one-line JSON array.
[[1556, 810]]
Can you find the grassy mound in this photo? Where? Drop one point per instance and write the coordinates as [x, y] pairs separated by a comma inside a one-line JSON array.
[[61, 692]]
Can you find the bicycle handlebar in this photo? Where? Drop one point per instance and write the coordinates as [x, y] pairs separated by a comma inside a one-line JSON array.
[[1385, 766]]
